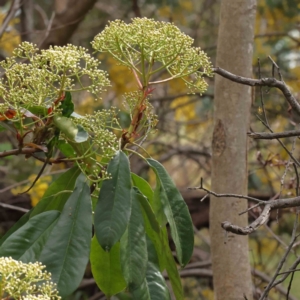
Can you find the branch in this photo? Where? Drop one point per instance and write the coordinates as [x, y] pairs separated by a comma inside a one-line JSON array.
[[15, 5], [19, 151], [264, 216], [267, 278], [270, 82], [201, 187], [5, 205], [282, 261], [47, 30], [68, 15], [275, 135]]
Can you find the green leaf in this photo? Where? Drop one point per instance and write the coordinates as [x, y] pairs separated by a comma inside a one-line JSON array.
[[37, 110], [67, 250], [74, 133], [147, 209], [151, 224], [134, 246], [154, 286], [143, 186], [158, 204], [58, 192], [67, 105], [27, 242], [113, 207], [66, 149], [16, 226], [157, 241], [106, 268], [176, 211], [171, 268]]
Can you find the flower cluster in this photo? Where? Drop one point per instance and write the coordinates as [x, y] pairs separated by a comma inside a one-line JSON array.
[[25, 281], [100, 126], [41, 78], [149, 46]]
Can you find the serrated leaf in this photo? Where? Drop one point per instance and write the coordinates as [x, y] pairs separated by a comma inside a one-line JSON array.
[[134, 246], [27, 242], [176, 212], [106, 268], [58, 192], [67, 250], [74, 133], [113, 207], [154, 286]]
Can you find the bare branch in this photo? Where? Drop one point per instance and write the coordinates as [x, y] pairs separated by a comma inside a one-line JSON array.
[[264, 216], [68, 15], [19, 151], [261, 94], [270, 82], [274, 135], [5, 205], [15, 5], [281, 263], [281, 143], [48, 29], [267, 278], [224, 195]]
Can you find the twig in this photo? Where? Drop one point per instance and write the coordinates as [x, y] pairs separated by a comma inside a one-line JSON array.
[[250, 208], [281, 263], [274, 65], [273, 135], [15, 5], [276, 237], [267, 278], [224, 195], [264, 216], [19, 151], [270, 82], [281, 143], [261, 94], [286, 274], [48, 29], [297, 179], [14, 207]]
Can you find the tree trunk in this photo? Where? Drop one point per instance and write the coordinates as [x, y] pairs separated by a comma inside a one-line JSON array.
[[230, 256]]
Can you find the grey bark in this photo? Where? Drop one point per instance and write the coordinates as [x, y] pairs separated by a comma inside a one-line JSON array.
[[230, 256]]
